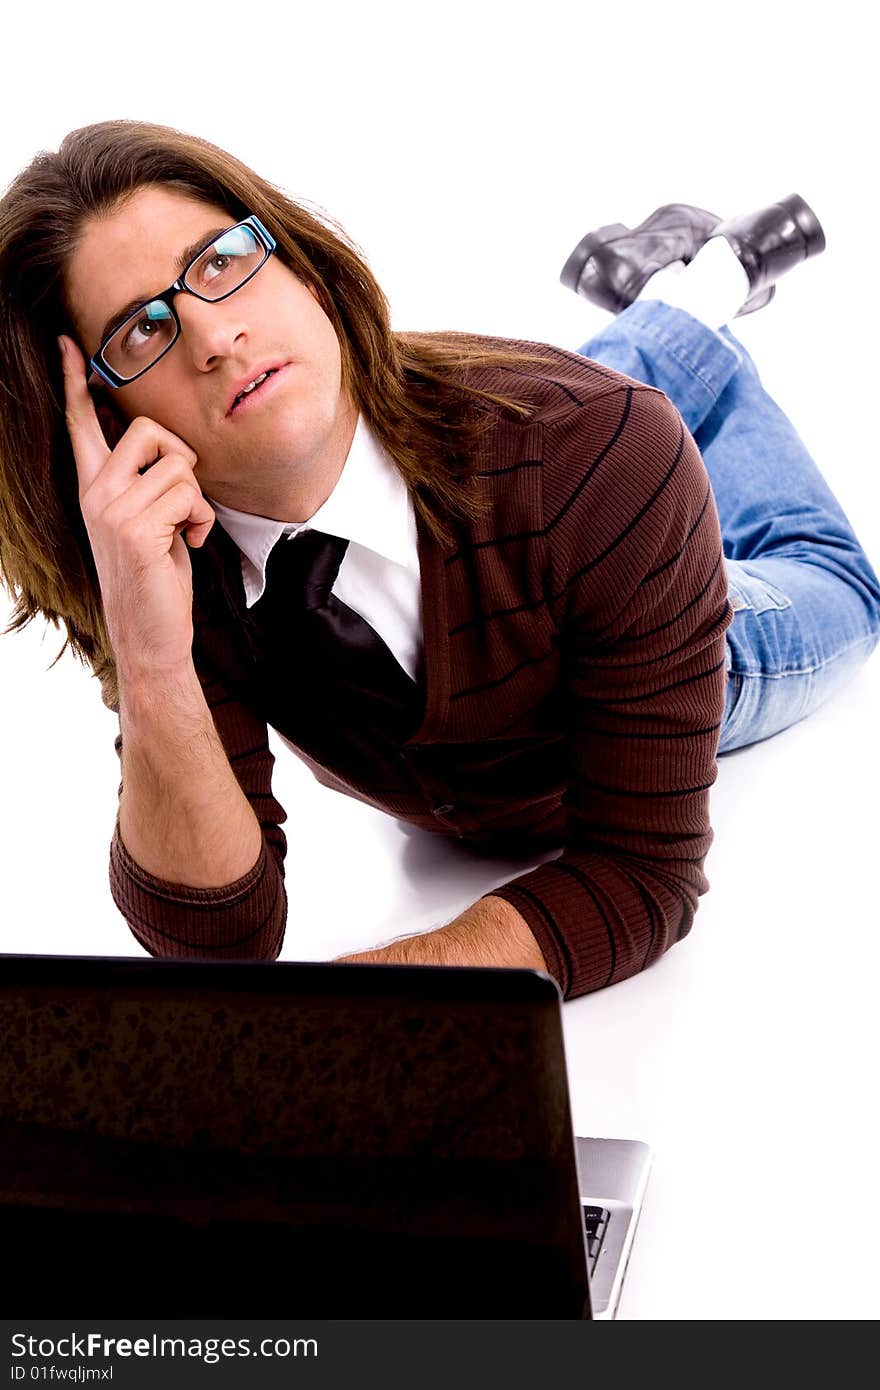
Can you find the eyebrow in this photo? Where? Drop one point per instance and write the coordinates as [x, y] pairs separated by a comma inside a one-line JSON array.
[[188, 254]]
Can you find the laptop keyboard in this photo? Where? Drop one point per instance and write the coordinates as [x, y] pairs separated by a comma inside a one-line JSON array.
[[595, 1225]]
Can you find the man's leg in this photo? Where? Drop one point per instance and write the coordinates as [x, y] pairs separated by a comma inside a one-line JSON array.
[[806, 599]]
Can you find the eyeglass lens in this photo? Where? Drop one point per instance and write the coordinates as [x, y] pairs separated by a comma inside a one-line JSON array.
[[217, 271]]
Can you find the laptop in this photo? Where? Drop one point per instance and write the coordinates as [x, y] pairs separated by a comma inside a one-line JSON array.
[[282, 1139]]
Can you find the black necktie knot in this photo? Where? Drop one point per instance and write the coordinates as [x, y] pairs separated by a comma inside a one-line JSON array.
[[301, 570]]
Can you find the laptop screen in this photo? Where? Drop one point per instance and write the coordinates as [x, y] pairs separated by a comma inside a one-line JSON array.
[[396, 1140]]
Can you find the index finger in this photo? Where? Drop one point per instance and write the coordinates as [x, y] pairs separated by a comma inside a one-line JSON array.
[[90, 448]]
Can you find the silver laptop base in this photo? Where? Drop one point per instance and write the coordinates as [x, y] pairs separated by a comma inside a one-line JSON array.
[[612, 1173]]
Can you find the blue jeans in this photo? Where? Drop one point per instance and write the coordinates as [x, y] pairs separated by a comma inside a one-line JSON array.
[[806, 601]]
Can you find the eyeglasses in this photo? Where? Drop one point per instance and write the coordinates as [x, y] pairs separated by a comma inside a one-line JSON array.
[[152, 329]]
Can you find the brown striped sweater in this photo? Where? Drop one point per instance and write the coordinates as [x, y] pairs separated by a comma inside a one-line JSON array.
[[573, 689]]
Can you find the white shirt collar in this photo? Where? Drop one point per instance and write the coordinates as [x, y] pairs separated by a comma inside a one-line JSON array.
[[370, 506]]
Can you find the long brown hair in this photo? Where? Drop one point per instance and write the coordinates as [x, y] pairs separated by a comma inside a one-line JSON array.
[[410, 386]]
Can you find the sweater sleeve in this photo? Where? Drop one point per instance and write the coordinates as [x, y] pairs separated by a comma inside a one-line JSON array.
[[638, 576], [244, 920]]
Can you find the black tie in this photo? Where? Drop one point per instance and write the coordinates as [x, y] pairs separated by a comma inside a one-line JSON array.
[[340, 677]]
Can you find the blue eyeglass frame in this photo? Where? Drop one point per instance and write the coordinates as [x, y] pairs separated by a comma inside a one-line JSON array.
[[106, 372]]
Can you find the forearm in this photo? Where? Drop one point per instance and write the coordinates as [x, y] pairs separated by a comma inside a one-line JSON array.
[[182, 814], [490, 933]]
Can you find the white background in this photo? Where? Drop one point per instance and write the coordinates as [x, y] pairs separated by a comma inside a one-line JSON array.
[[466, 152]]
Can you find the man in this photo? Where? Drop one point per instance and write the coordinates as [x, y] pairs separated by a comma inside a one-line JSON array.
[[505, 618]]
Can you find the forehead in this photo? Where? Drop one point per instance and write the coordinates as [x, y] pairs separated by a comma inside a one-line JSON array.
[[131, 252]]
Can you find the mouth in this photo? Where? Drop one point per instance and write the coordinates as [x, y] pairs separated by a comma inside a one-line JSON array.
[[251, 395]]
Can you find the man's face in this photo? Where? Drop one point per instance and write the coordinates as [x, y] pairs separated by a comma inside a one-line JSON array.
[[284, 452]]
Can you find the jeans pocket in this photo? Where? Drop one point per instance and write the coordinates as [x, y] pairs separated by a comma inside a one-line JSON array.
[[748, 589]]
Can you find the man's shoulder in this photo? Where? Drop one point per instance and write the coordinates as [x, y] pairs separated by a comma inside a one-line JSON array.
[[578, 410], [561, 383]]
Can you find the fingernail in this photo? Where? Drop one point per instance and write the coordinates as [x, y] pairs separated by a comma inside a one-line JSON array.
[[62, 345]]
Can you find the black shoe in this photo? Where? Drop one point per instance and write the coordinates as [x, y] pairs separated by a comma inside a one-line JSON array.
[[612, 265], [770, 242]]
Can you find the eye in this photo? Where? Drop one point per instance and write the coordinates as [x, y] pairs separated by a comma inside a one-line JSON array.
[[216, 264], [144, 330], [145, 327]]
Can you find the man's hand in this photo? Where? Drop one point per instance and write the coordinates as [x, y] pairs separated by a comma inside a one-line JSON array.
[[489, 933], [136, 501]]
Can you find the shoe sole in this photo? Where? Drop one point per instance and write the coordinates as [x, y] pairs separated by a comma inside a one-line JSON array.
[[587, 247]]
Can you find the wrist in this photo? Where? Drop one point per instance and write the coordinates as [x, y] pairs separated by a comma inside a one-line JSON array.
[[145, 691]]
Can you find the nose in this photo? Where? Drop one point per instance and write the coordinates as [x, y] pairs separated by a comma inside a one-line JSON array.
[[209, 331]]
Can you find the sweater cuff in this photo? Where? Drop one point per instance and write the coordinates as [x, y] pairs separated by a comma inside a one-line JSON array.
[[531, 910], [243, 920], [596, 920]]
